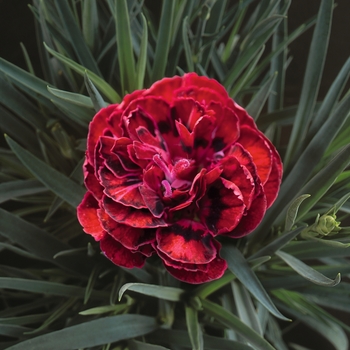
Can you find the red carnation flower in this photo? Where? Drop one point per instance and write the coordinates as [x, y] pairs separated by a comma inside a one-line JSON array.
[[172, 168]]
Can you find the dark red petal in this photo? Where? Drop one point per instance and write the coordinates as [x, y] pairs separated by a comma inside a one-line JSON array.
[[186, 138], [165, 88], [202, 133], [87, 216], [187, 111], [120, 255], [200, 82], [122, 190], [273, 183], [152, 200], [91, 181], [222, 207], [255, 143], [178, 265], [141, 218], [130, 237], [252, 218], [212, 175], [244, 117], [216, 269], [96, 128], [227, 127], [186, 242], [240, 176]]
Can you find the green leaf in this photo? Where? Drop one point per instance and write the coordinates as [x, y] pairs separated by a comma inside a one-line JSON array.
[[39, 242], [292, 211], [42, 287], [142, 61], [90, 23], [137, 345], [105, 309], [166, 293], [163, 40], [104, 87], [125, 49], [245, 307], [74, 98], [193, 327], [181, 338], [58, 183], [187, 47], [18, 188], [233, 322], [307, 272], [75, 36], [241, 269], [276, 244], [97, 332], [312, 78], [95, 96], [257, 103], [330, 100]]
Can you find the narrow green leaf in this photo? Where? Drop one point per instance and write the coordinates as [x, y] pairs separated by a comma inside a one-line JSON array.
[[292, 211], [105, 309], [137, 345], [58, 183], [142, 61], [90, 23], [166, 293], [97, 332], [104, 87], [187, 47], [95, 96], [193, 327], [276, 244], [75, 36], [257, 103], [42, 287], [77, 99], [19, 188], [163, 40], [245, 307], [330, 100], [312, 78], [306, 271], [173, 337], [233, 322], [241, 269], [13, 331], [125, 47], [338, 204]]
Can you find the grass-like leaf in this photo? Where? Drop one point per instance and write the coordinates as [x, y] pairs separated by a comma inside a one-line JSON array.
[[105, 88], [163, 40], [166, 293], [142, 61], [193, 327], [233, 322], [125, 48], [312, 78], [241, 269], [292, 211], [307, 272], [95, 96], [58, 183], [97, 332]]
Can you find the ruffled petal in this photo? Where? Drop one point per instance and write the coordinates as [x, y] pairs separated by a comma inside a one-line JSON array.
[[141, 218], [216, 269], [88, 218], [122, 190], [130, 237], [120, 255], [255, 143], [222, 207], [186, 242]]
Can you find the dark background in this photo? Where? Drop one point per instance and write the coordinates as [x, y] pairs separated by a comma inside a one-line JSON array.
[[17, 25]]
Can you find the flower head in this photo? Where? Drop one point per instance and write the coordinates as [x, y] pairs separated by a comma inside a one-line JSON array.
[[170, 170]]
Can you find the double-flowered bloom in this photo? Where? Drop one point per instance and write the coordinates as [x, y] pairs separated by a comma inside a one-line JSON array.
[[171, 169]]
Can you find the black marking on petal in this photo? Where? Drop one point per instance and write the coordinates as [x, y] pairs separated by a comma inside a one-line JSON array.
[[218, 144], [164, 127], [200, 143]]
